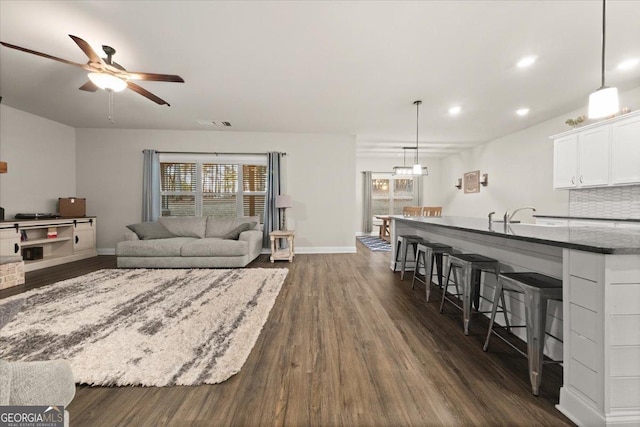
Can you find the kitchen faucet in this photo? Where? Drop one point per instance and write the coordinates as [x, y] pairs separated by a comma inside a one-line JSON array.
[[491, 214], [508, 217]]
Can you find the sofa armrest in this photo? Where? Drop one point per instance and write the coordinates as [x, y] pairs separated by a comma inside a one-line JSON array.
[[130, 235], [251, 235]]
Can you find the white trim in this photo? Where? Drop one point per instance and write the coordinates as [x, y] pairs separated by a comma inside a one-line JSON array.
[[325, 250], [299, 250]]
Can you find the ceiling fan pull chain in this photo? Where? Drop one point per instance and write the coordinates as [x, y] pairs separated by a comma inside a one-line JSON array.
[[110, 117]]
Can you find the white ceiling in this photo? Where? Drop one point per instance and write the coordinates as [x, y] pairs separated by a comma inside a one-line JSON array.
[[323, 66]]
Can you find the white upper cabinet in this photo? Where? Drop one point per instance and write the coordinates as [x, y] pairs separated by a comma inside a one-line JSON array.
[[593, 157], [602, 154], [565, 161], [625, 151]]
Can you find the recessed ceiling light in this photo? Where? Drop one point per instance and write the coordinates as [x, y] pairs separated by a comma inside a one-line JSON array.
[[522, 111], [455, 110], [628, 64], [526, 61]]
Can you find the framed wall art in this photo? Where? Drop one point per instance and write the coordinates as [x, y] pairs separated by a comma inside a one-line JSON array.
[[472, 182]]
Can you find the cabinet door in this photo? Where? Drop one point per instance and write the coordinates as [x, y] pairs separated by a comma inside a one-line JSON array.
[[625, 151], [84, 237], [565, 162], [593, 156], [9, 242]]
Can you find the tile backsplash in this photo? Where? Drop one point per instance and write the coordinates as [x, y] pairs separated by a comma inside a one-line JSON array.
[[606, 202]]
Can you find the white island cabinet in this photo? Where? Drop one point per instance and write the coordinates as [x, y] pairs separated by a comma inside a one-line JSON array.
[[599, 317]]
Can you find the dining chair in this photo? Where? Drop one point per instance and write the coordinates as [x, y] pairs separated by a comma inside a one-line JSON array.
[[412, 211], [432, 211]]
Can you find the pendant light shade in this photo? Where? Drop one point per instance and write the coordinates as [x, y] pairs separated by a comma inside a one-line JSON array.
[[604, 101]]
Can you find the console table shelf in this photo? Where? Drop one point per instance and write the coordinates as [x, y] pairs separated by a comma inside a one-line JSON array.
[[75, 240], [44, 241]]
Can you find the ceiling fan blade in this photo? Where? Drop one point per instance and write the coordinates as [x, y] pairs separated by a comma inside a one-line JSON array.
[[88, 50], [155, 77], [89, 87], [44, 55], [134, 87]]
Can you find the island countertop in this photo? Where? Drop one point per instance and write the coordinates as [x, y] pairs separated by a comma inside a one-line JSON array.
[[604, 240]]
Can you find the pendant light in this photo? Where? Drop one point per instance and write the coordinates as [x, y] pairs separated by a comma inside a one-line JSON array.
[[416, 169], [404, 169], [604, 101]]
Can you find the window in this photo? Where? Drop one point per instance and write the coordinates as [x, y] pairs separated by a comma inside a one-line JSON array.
[[220, 186], [390, 194]]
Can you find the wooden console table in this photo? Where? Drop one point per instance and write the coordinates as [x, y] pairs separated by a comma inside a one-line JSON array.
[[286, 253]]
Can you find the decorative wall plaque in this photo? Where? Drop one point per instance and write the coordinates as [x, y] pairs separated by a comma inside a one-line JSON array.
[[472, 182]]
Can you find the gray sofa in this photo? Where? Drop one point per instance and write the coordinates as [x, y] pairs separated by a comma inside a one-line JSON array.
[[191, 242]]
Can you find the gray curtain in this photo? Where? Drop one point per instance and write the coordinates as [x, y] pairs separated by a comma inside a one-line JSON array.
[[271, 213], [367, 216], [417, 190], [150, 186]]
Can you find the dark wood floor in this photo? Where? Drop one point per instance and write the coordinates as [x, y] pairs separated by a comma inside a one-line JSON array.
[[346, 344]]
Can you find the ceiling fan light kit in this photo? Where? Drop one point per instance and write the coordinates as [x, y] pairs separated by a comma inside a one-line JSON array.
[[604, 101], [108, 82]]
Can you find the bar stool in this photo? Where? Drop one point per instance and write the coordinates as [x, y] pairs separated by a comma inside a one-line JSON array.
[[537, 289], [402, 246], [429, 253], [472, 266]]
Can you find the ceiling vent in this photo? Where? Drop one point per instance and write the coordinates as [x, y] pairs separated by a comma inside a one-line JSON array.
[[217, 123]]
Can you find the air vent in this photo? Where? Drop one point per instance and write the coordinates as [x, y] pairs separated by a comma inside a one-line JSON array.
[[217, 123]]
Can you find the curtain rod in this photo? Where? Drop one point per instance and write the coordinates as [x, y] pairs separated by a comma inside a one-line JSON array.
[[212, 152]]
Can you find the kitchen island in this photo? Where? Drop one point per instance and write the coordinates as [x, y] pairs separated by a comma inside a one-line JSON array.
[[599, 318]]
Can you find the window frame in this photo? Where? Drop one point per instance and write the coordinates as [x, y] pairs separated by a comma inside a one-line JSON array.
[[221, 159]]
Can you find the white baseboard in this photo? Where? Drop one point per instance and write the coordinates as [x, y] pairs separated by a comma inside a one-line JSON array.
[[299, 250], [325, 250]]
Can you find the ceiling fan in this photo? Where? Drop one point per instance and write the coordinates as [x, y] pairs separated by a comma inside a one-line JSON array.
[[104, 73]]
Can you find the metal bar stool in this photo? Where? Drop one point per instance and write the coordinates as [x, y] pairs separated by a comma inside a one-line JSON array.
[[472, 266], [402, 246], [429, 253], [537, 289]]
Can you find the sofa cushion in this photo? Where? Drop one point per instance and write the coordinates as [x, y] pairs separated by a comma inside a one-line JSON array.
[[219, 227], [212, 246], [150, 230], [185, 226], [158, 247]]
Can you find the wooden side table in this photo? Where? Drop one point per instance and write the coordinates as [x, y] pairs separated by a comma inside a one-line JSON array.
[[286, 253]]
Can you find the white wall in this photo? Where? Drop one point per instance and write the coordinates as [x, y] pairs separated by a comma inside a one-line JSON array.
[[520, 168], [41, 158], [431, 184], [319, 177]]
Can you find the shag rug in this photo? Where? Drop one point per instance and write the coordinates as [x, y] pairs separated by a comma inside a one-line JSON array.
[[375, 243], [146, 327]]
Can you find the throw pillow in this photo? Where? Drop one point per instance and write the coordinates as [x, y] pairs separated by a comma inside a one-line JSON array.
[[235, 233], [9, 309], [150, 231]]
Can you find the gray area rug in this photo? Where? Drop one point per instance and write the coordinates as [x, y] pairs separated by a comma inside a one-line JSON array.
[[146, 327]]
